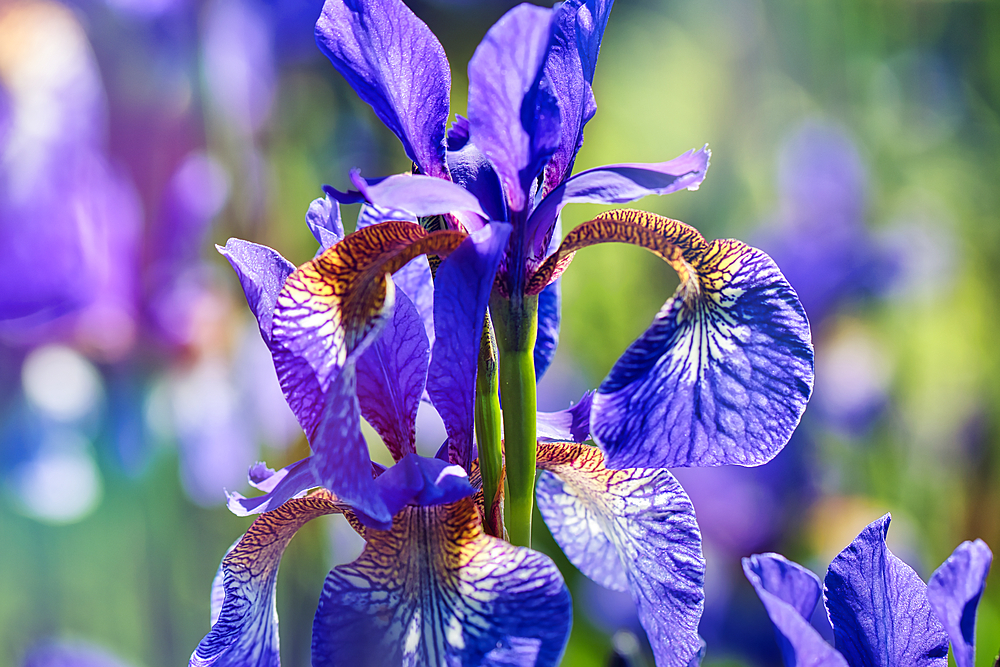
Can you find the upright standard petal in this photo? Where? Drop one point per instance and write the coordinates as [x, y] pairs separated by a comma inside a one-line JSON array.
[[790, 593], [262, 273], [723, 373], [954, 592], [395, 64], [435, 590], [576, 42], [390, 378], [616, 184], [461, 293], [245, 633], [879, 609], [629, 530], [513, 115]]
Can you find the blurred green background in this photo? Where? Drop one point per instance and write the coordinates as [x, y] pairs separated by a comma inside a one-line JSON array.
[[913, 85]]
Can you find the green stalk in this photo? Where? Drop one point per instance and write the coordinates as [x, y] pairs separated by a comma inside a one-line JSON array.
[[488, 438], [516, 323]]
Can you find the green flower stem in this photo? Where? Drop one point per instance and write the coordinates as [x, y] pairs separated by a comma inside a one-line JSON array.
[[516, 323], [488, 437]]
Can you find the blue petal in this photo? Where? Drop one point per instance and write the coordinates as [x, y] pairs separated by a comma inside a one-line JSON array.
[[323, 219], [245, 633], [878, 607], [471, 170], [617, 184], [395, 64], [424, 482], [549, 316], [372, 215], [417, 283], [629, 529], [262, 272], [790, 593], [513, 116], [420, 195], [570, 67], [954, 592], [461, 293], [391, 376], [435, 590], [723, 373], [569, 425]]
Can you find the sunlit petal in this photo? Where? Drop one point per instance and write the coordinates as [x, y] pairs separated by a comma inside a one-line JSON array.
[[954, 592]]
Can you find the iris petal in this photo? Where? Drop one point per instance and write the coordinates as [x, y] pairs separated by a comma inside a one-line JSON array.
[[461, 293], [323, 220], [513, 116], [879, 609], [617, 184], [629, 529], [725, 370], [790, 593], [262, 272], [418, 194], [246, 630], [954, 592], [435, 590], [391, 376], [569, 425], [395, 64]]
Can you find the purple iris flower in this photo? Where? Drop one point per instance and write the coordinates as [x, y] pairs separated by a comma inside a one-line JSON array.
[[723, 373], [347, 347], [883, 615]]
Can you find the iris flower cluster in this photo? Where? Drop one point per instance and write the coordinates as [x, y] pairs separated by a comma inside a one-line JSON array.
[[447, 293]]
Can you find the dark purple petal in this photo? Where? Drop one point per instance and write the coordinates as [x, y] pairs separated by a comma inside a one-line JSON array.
[[617, 184], [878, 607], [417, 283], [246, 629], [423, 482], [471, 170], [569, 425], [324, 221], [435, 590], [418, 194], [954, 592], [395, 64], [513, 114], [461, 292], [391, 374], [570, 67], [549, 316], [723, 373], [790, 593], [629, 530], [262, 272]]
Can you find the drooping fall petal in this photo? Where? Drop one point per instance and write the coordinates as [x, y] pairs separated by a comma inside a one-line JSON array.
[[436, 590], [723, 373], [629, 530]]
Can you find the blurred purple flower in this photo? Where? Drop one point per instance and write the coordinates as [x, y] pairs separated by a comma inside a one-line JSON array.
[[70, 653]]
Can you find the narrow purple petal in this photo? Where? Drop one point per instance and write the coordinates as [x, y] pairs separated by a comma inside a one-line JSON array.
[[954, 592], [461, 293], [878, 607], [513, 115], [278, 488], [423, 482], [436, 590], [395, 64], [569, 425], [471, 170], [390, 378], [723, 373], [629, 530], [323, 219], [417, 283], [570, 67], [262, 272], [617, 184], [246, 629], [418, 194], [549, 317], [790, 593]]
